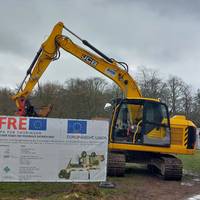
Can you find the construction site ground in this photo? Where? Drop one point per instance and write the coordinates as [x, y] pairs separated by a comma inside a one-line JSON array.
[[138, 184]]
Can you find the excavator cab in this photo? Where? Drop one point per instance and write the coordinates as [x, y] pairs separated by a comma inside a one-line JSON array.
[[141, 121]]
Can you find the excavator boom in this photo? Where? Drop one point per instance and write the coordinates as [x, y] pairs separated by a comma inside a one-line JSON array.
[[49, 52]]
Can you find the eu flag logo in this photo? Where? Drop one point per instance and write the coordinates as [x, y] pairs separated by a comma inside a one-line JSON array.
[[77, 126], [38, 124]]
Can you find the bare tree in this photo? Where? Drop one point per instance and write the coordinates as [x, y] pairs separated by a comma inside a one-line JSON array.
[[152, 85], [175, 88], [86, 98], [7, 106], [48, 93], [195, 115], [186, 99]]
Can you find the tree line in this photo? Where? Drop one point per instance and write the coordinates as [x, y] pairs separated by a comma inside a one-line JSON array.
[[78, 98]]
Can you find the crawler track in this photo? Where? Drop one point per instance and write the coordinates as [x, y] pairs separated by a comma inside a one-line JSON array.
[[116, 164], [169, 167]]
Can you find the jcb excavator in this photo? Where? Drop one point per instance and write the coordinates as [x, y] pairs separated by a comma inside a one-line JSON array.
[[141, 129]]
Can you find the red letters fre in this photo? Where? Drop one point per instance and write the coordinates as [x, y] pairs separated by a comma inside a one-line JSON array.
[[2, 121], [13, 123]]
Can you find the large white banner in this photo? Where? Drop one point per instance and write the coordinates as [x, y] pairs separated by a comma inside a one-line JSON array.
[[46, 149]]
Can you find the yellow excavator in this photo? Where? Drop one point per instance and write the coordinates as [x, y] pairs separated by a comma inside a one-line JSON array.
[[141, 130]]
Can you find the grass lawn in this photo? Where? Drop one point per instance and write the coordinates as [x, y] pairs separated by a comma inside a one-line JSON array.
[[53, 191], [191, 162], [13, 191]]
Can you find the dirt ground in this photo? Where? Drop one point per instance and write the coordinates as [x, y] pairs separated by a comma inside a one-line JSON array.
[[139, 184]]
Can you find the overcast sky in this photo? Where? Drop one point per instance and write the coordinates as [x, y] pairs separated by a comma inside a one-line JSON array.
[[158, 34]]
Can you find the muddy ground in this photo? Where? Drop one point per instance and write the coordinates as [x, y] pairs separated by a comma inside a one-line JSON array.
[[139, 184]]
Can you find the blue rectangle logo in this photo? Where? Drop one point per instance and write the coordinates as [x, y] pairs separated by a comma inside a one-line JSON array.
[[38, 124], [77, 127]]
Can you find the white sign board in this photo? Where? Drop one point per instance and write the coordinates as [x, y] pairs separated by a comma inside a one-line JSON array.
[[46, 149]]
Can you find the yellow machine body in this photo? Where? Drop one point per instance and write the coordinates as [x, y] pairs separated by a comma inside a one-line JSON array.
[[179, 126]]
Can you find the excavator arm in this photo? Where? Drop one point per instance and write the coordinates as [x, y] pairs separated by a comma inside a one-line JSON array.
[[49, 51]]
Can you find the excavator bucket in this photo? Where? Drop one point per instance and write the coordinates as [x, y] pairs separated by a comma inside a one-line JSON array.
[[44, 111]]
